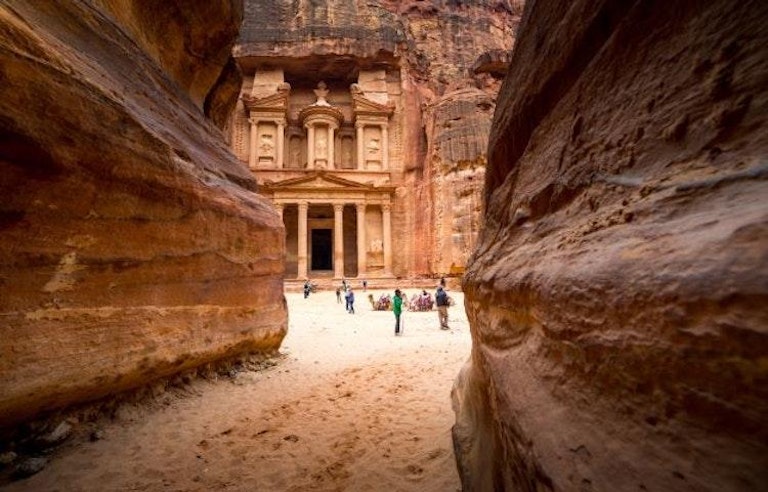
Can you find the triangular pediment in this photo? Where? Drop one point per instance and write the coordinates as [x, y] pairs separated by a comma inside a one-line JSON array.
[[363, 105], [317, 180], [275, 101]]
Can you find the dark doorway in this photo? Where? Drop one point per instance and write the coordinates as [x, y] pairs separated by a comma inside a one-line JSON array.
[[322, 248]]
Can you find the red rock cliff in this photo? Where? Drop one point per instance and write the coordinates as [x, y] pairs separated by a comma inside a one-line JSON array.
[[618, 295], [450, 56], [132, 245]]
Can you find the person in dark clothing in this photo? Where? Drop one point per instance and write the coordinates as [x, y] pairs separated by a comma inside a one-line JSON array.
[[441, 300], [397, 308], [351, 301], [307, 288]]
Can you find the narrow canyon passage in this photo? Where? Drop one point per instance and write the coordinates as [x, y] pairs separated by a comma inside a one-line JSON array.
[[347, 406]]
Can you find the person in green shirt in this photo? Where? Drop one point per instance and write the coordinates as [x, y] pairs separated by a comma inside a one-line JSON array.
[[397, 308]]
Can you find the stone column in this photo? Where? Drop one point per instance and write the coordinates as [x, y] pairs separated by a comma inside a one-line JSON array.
[[301, 253], [338, 240], [311, 147], [280, 143], [252, 157], [384, 147], [362, 248], [387, 226], [331, 147], [360, 146]]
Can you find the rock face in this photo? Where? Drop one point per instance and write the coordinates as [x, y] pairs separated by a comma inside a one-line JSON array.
[[618, 295], [133, 245], [455, 60], [442, 63]]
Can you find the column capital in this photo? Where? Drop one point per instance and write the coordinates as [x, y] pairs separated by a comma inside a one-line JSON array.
[[359, 124], [360, 205], [303, 205], [386, 207], [338, 207], [253, 120]]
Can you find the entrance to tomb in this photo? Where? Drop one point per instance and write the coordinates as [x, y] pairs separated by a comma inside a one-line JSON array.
[[322, 249]]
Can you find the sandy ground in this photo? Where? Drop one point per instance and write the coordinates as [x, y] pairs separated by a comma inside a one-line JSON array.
[[347, 406]]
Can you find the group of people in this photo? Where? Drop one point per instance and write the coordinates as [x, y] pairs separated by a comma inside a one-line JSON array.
[[442, 301]]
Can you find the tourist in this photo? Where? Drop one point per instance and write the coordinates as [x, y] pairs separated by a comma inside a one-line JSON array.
[[338, 295], [307, 288], [346, 300], [397, 308], [442, 282], [365, 285], [441, 299], [351, 301]]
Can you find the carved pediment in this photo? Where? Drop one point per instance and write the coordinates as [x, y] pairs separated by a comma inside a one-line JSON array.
[[271, 102], [364, 106], [318, 180]]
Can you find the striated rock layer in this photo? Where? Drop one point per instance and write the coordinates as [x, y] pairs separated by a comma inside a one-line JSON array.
[[133, 245], [618, 295]]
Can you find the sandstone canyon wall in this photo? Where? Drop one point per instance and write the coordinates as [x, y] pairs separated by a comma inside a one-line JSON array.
[[618, 295], [457, 54], [133, 246], [444, 61]]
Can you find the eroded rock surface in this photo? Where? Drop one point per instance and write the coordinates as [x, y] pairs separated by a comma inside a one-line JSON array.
[[443, 62], [133, 245], [618, 296]]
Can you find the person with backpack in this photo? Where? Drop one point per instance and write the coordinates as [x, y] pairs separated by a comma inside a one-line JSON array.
[[441, 300], [397, 308]]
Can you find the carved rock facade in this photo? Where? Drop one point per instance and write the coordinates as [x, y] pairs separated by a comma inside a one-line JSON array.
[[133, 245], [367, 120], [618, 295]]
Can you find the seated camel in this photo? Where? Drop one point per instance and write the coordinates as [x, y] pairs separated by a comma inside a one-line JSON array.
[[421, 302], [383, 304]]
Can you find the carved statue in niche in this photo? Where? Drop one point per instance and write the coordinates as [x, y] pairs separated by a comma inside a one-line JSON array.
[[322, 145], [294, 153], [266, 146], [373, 146], [295, 157], [377, 246], [321, 92]]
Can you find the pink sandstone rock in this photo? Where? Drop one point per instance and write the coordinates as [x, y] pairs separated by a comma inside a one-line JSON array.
[[618, 295], [133, 246]]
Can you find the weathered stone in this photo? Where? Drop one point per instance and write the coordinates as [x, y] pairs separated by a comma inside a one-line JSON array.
[[29, 467], [58, 435], [133, 246], [617, 297], [420, 62]]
